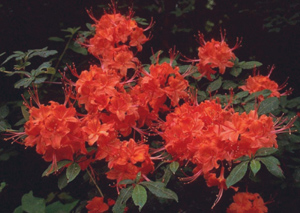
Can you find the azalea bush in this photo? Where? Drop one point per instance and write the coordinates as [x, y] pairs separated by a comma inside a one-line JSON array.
[[142, 133]]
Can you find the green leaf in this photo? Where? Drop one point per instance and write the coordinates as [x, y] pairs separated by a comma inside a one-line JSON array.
[[4, 110], [72, 171], [241, 94], [39, 80], [235, 71], [249, 106], [139, 196], [201, 96], [249, 64], [58, 207], [265, 151], [2, 186], [4, 125], [174, 166], [243, 158], [62, 181], [50, 70], [20, 122], [60, 165], [254, 95], [25, 113], [42, 67], [5, 154], [159, 190], [13, 56], [127, 181], [138, 177], [237, 173], [120, 204], [272, 165], [44, 52], [229, 84], [215, 85], [90, 27], [71, 30], [10, 73], [19, 209], [31, 204], [141, 21], [293, 103], [74, 46], [255, 166], [167, 176], [268, 105], [25, 82], [56, 39]]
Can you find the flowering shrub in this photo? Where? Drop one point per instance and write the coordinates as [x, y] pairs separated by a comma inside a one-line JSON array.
[[135, 118]]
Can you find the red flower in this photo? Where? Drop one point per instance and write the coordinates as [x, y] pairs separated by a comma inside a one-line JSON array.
[[128, 159], [259, 82], [214, 54], [247, 202], [96, 205], [55, 130]]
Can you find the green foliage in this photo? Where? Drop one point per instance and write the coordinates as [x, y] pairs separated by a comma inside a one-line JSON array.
[[237, 173], [158, 189], [255, 166], [72, 171], [215, 85], [268, 105], [4, 125], [139, 196], [35, 76], [261, 156], [6, 154], [272, 165], [265, 152], [236, 70], [2, 186], [124, 195], [62, 181], [31, 204], [51, 167]]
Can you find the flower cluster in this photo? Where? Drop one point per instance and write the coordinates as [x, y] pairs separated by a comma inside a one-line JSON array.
[[119, 110], [259, 82], [115, 35], [55, 130], [207, 135], [247, 202], [96, 205], [214, 54]]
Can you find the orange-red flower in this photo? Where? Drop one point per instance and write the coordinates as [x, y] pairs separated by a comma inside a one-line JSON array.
[[259, 82], [127, 159], [97, 205], [214, 54], [96, 87], [114, 35], [55, 131], [247, 202]]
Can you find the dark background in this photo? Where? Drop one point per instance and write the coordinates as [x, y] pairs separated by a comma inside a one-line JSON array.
[[270, 31]]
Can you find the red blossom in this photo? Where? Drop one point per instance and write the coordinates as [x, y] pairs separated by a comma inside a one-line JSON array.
[[96, 205], [247, 202]]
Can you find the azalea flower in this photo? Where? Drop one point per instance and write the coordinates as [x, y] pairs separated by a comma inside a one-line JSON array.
[[247, 202]]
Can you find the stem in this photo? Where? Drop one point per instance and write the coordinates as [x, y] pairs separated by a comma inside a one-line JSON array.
[[62, 55], [99, 190]]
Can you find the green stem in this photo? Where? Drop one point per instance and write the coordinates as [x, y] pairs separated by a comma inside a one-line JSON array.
[[62, 55], [99, 190]]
